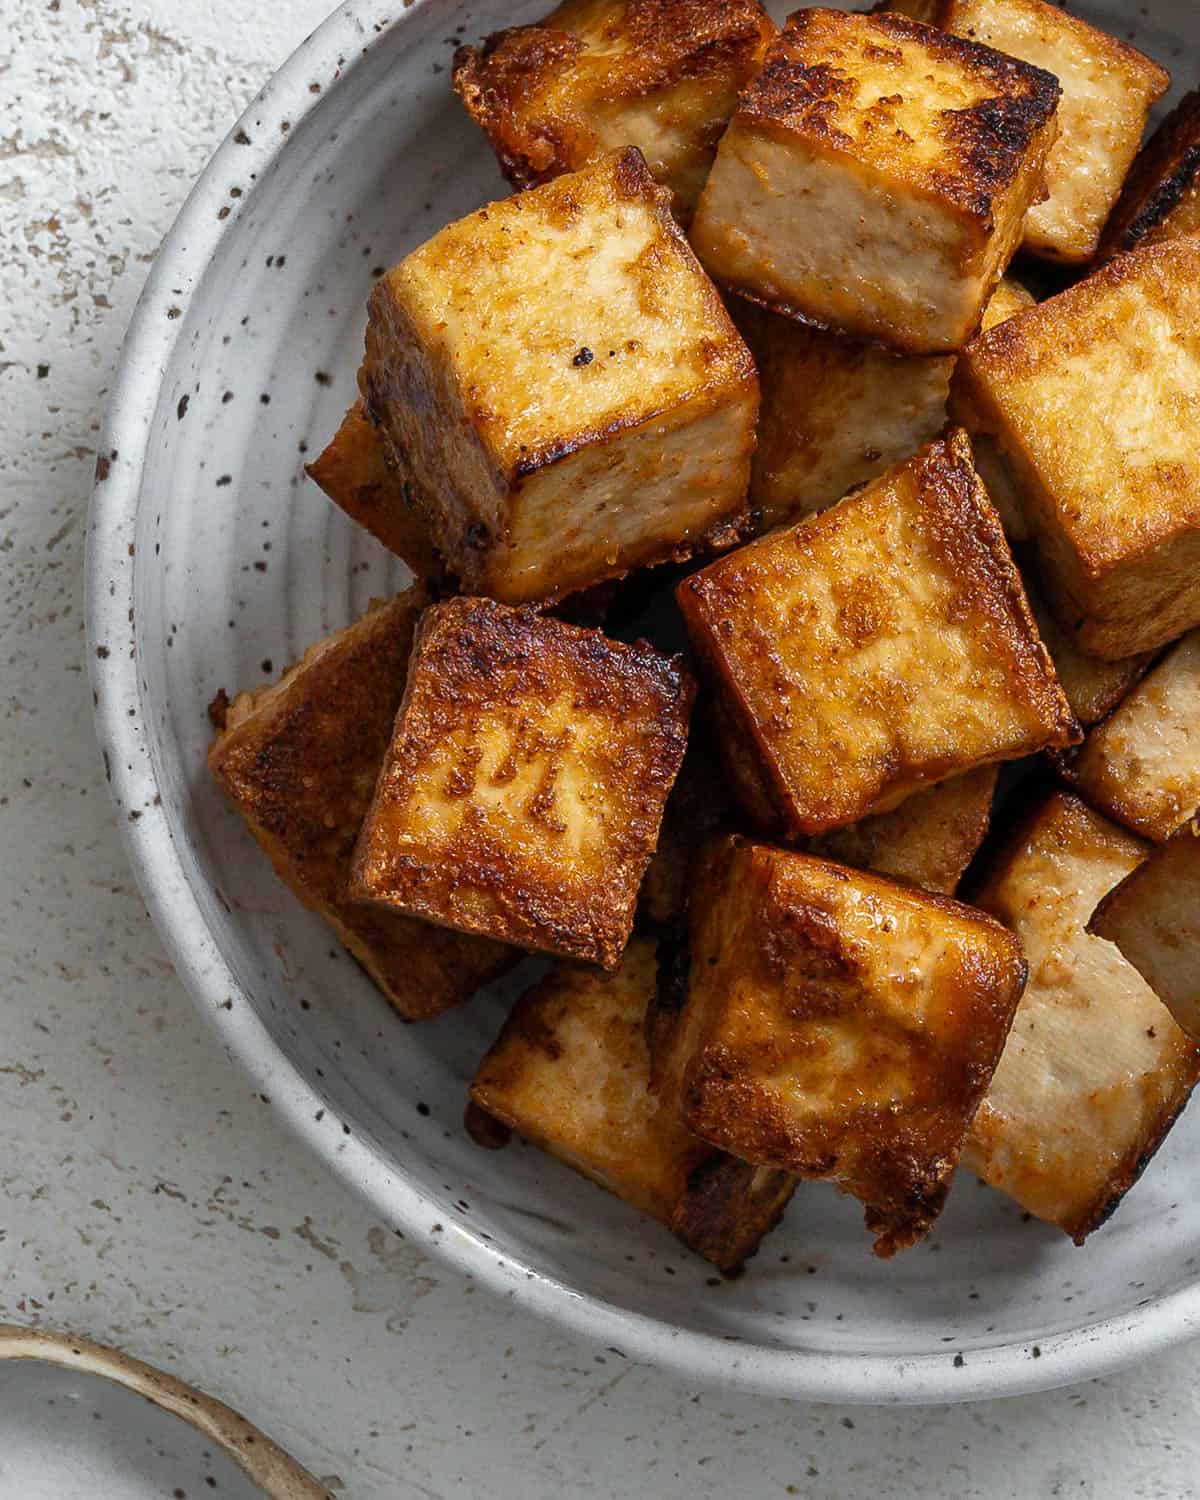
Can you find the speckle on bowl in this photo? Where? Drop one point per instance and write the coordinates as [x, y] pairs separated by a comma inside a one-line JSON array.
[[377, 155]]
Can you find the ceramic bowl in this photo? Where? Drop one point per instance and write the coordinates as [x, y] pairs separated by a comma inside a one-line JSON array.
[[213, 562]]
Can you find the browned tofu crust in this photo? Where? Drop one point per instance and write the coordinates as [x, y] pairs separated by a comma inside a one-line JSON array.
[[299, 760], [1089, 399], [662, 75], [1161, 196], [877, 648], [1096, 1070], [570, 1071], [930, 839], [522, 793], [1093, 687], [354, 471], [835, 1025]]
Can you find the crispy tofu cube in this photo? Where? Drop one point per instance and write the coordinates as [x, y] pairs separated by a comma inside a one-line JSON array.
[[571, 1072], [875, 178], [523, 789], [1161, 196], [1153, 916], [835, 1025], [1108, 88], [299, 760], [930, 839], [596, 75], [1095, 1070], [1093, 687], [1141, 766], [561, 382], [1085, 400], [879, 647], [354, 471], [837, 412]]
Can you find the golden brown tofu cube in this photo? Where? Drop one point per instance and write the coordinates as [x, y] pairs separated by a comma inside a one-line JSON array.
[[1093, 687], [523, 789], [837, 412], [595, 75], [1108, 88], [562, 382], [1095, 1070], [879, 647], [1161, 196], [299, 759], [571, 1072], [354, 472], [1085, 399], [836, 1025], [930, 839], [1141, 766], [1153, 916], [875, 178]]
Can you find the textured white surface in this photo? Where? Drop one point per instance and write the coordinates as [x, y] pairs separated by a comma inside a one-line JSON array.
[[146, 1196]]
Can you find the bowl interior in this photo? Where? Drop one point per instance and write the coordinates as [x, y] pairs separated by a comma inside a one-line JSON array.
[[241, 563]]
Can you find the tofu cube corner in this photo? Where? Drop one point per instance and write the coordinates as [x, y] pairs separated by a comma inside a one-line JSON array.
[[354, 471], [1108, 88], [1082, 399], [836, 1025], [876, 649], [570, 1072], [523, 789], [299, 759], [597, 75], [1141, 765], [1095, 1070], [1153, 916], [1161, 196], [876, 176], [561, 384]]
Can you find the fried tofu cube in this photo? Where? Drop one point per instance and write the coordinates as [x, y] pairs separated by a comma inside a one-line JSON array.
[[1095, 1070], [571, 1072], [523, 789], [1108, 88], [1153, 916], [354, 471], [930, 839], [1141, 766], [875, 178], [1093, 687], [1084, 398], [1161, 196], [879, 647], [561, 383], [596, 75], [837, 412], [698, 809], [299, 759], [836, 1025]]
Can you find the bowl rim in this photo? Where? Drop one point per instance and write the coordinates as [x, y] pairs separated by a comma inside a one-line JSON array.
[[336, 48]]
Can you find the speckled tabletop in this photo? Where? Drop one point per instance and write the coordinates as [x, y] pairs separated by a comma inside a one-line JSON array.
[[147, 1196]]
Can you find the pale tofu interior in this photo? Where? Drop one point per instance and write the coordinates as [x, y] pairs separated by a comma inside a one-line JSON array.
[[1095, 1068], [1142, 765], [776, 218], [1153, 916], [619, 501]]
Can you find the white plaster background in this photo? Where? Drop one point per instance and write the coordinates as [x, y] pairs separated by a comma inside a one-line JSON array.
[[146, 1196]]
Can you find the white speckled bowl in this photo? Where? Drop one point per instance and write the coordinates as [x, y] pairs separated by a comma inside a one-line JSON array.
[[213, 562]]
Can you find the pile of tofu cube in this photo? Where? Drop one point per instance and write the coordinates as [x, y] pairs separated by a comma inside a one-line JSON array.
[[742, 353]]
